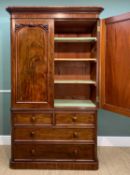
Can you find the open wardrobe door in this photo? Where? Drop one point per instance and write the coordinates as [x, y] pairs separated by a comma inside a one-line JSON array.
[[115, 64]]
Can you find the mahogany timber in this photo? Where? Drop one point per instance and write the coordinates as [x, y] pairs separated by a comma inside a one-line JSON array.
[[74, 118], [33, 133], [83, 92], [56, 12], [115, 82], [31, 118], [44, 152], [32, 63], [65, 165], [65, 9], [43, 136]]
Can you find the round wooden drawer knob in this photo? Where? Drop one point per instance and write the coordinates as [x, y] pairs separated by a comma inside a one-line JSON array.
[[32, 134], [75, 152], [75, 135], [74, 119], [33, 118], [33, 152]]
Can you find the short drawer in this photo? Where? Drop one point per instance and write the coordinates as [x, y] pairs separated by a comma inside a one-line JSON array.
[[25, 118], [75, 118], [50, 152], [54, 133]]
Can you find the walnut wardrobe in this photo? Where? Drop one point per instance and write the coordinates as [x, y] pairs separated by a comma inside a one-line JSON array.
[[66, 63]]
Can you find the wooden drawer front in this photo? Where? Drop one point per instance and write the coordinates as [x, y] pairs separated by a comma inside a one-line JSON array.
[[54, 151], [54, 133], [75, 118], [32, 118]]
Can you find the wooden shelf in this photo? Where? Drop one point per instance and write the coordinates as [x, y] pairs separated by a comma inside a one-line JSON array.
[[75, 82], [75, 39], [73, 103], [75, 59]]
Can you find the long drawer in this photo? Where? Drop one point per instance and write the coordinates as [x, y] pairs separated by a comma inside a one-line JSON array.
[[37, 152], [31, 133], [75, 118], [30, 118]]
